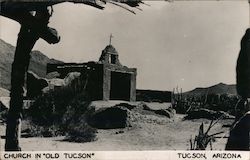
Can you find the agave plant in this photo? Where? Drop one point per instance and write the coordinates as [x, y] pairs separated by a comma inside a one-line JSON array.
[[201, 141]]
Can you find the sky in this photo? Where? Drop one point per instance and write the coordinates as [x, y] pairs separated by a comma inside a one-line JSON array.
[[184, 44]]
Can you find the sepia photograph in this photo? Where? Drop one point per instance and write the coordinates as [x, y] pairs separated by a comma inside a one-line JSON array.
[[124, 75]]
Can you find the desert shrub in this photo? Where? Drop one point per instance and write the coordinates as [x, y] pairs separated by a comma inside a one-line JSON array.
[[41, 131], [74, 122], [30, 129], [80, 132], [41, 112], [228, 103], [215, 102], [222, 102], [74, 113], [206, 113], [61, 112], [181, 107], [50, 107]]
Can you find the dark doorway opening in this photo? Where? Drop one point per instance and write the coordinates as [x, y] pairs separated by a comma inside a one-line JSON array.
[[120, 86]]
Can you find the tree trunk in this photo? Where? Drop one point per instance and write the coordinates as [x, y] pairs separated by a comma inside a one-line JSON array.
[[25, 42], [239, 135]]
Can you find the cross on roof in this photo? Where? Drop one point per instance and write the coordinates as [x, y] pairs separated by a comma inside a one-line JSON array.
[[110, 38]]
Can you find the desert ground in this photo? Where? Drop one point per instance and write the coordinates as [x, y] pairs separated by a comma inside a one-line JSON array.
[[148, 132]]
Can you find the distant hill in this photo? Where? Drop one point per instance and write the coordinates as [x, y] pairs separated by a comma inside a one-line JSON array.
[[4, 92], [38, 63], [220, 88]]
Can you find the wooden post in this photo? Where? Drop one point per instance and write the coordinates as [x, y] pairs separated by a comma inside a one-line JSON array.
[[25, 42]]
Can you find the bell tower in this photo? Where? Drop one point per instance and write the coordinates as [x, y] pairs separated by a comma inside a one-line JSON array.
[[109, 54]]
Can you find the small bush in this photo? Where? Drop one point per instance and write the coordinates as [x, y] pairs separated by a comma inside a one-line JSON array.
[[29, 129], [61, 112], [206, 113], [81, 133]]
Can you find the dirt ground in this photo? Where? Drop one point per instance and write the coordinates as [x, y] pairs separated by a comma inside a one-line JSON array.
[[154, 134]]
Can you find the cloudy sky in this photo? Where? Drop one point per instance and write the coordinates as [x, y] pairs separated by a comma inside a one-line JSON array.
[[189, 44]]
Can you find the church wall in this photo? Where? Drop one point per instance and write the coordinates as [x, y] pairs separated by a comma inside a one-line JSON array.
[[107, 69], [96, 77], [95, 82], [133, 87]]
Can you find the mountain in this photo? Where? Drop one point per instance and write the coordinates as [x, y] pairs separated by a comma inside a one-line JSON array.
[[37, 65], [4, 92], [220, 88]]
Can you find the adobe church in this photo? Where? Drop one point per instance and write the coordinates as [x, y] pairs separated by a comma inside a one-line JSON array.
[[106, 79]]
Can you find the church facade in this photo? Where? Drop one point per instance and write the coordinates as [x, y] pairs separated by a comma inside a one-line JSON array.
[[106, 79]]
